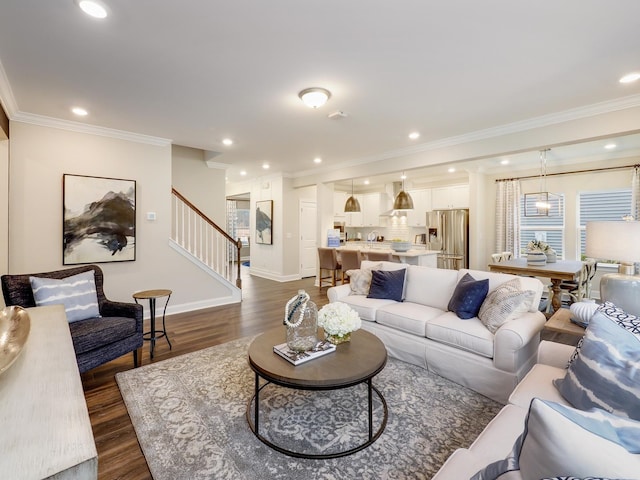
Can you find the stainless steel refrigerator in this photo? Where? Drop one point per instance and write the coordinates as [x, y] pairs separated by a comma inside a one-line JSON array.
[[451, 230]]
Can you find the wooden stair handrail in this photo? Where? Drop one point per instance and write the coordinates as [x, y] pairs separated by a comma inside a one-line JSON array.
[[237, 243]]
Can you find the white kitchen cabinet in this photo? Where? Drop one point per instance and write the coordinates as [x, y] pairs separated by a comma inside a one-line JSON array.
[[354, 219], [339, 199], [421, 205], [454, 196]]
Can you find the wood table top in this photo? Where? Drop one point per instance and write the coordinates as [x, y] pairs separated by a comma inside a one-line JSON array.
[[152, 294], [352, 363], [560, 270]]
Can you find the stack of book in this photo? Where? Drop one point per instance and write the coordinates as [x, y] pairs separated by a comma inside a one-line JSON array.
[[321, 349]]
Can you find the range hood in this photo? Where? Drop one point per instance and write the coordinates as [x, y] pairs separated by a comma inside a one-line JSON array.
[[392, 190]]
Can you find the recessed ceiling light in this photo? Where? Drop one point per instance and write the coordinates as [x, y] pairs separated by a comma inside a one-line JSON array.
[[243, 173], [610, 146], [227, 141], [414, 135], [265, 166], [314, 97], [630, 77], [81, 112], [92, 8], [403, 177], [366, 182], [317, 160], [504, 162], [451, 170]]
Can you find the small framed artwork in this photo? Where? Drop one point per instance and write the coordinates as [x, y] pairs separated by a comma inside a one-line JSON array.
[[99, 220], [264, 218]]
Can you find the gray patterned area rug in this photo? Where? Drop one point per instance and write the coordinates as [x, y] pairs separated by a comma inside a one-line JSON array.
[[189, 415]]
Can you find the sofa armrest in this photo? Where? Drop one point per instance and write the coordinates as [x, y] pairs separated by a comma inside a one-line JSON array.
[[122, 309], [338, 292], [512, 341], [554, 354]]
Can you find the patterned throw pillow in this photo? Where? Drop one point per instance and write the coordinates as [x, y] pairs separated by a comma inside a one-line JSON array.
[[77, 293], [606, 371], [616, 314], [559, 439], [468, 296], [360, 279], [388, 285], [505, 303]]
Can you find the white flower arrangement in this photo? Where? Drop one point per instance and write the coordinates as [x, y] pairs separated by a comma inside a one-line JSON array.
[[338, 319], [537, 246]]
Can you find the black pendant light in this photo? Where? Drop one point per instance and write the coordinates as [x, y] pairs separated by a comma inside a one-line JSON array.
[[352, 205], [403, 201]]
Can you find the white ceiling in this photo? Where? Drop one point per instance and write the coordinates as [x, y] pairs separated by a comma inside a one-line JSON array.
[[197, 71]]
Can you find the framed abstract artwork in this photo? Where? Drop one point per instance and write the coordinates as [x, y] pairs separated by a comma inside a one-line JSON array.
[[264, 218], [99, 220]]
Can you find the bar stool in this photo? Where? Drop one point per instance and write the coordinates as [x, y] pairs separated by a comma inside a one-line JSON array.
[[350, 260], [379, 256], [328, 260]]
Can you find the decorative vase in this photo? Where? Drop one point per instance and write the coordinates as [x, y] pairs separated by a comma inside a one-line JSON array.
[[583, 310], [301, 320], [536, 258], [551, 255], [337, 339]]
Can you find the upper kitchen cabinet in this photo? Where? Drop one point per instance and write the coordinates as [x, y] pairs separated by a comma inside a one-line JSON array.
[[454, 196], [421, 205], [339, 199], [373, 204]]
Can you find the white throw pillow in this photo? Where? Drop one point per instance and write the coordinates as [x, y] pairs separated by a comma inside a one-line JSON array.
[[360, 279], [560, 440], [504, 303], [77, 293]]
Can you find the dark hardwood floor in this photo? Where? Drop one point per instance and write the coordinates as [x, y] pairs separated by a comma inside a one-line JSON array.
[[119, 455]]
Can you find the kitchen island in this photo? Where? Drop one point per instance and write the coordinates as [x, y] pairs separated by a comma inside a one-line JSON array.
[[413, 256]]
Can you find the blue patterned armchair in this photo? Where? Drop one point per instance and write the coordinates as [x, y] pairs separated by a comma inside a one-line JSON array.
[[98, 340]]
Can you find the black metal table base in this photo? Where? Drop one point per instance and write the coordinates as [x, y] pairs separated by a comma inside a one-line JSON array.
[[154, 334], [254, 423]]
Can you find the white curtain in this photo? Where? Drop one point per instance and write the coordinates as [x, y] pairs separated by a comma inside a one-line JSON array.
[[635, 193], [508, 217]]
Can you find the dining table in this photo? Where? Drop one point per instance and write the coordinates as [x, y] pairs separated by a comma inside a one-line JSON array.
[[557, 272]]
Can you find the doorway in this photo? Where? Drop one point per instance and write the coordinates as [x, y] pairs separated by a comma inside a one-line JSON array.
[[308, 246]]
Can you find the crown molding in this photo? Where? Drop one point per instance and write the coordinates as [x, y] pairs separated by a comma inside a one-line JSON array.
[[586, 111], [6, 94], [44, 121]]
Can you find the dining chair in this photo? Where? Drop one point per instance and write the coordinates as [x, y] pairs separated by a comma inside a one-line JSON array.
[[507, 255], [328, 260], [350, 260], [496, 257], [581, 288]]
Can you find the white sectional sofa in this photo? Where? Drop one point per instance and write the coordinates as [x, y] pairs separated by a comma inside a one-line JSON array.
[[557, 440], [497, 439], [421, 331]]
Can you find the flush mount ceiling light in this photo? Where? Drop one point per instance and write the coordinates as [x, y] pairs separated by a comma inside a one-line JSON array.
[[79, 111], [542, 203], [93, 8], [314, 97], [630, 77], [403, 201], [227, 141], [317, 160], [352, 205]]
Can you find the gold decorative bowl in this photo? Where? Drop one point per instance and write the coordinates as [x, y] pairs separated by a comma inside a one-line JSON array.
[[15, 325]]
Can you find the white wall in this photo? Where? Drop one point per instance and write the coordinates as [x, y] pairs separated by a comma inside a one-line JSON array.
[[39, 158], [201, 185]]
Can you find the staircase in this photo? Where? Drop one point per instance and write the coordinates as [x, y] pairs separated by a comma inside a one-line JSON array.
[[204, 242]]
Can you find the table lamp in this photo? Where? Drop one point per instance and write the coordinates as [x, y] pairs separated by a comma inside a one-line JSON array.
[[618, 241]]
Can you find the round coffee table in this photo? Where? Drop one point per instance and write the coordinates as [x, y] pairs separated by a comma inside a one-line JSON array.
[[353, 363]]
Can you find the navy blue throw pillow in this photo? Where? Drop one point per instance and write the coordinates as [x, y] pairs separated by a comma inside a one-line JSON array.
[[468, 296], [387, 285]]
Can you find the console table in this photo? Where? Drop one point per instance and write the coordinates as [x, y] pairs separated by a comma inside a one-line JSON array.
[[46, 429]]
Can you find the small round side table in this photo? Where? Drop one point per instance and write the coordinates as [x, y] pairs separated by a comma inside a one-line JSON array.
[[152, 295]]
